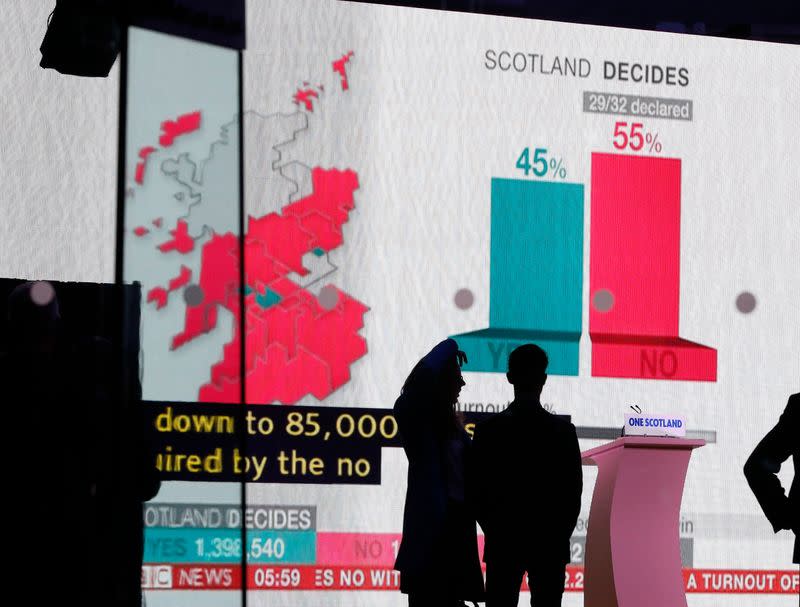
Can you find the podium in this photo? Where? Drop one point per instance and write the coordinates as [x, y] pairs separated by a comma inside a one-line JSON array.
[[633, 555]]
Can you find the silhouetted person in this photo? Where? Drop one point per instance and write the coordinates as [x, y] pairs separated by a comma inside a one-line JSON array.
[[438, 557], [77, 459], [42, 459], [118, 472], [526, 482], [762, 467]]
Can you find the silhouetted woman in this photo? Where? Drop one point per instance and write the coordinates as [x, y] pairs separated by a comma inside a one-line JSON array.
[[438, 556]]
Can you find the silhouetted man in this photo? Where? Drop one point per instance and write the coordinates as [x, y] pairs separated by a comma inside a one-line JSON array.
[[762, 469], [526, 485]]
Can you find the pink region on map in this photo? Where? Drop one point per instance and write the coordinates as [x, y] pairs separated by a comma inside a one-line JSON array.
[[340, 66], [143, 154], [306, 97], [294, 346], [140, 231], [181, 279], [219, 275], [170, 129], [158, 295], [180, 241]]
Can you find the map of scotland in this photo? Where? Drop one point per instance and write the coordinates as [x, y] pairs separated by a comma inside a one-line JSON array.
[[301, 331]]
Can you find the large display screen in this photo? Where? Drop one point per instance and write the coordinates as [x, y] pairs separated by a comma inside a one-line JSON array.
[[627, 200]]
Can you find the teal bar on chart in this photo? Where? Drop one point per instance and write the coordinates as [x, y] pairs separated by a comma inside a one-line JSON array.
[[536, 276], [193, 545]]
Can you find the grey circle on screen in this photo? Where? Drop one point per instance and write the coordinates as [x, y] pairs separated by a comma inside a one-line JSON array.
[[745, 302], [328, 297], [603, 300], [193, 295], [42, 293], [464, 299]]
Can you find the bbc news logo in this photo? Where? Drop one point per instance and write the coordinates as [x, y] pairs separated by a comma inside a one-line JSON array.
[[156, 577]]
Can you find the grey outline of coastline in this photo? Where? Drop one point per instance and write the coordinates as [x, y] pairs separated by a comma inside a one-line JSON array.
[[205, 210], [302, 184], [144, 261], [302, 179], [186, 172]]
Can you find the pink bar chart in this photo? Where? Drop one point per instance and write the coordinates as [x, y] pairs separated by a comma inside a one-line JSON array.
[[635, 258]]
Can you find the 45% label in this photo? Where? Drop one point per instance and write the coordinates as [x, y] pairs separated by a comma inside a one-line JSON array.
[[540, 165]]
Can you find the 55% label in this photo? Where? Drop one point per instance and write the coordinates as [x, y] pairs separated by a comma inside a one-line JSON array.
[[631, 136]]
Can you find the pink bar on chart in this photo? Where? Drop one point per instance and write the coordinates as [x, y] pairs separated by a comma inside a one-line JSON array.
[[357, 548], [636, 244], [363, 549], [634, 311], [652, 358]]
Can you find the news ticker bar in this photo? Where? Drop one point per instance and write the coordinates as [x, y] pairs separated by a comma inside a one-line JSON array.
[[362, 425], [225, 546], [303, 547], [310, 577]]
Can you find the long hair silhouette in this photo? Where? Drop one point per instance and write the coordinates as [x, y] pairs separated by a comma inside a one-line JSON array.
[[423, 380]]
